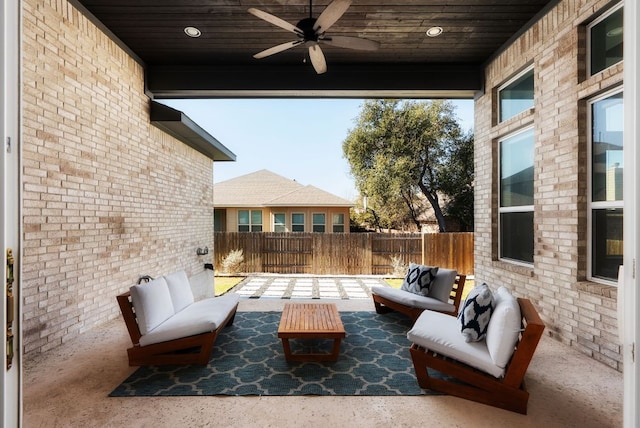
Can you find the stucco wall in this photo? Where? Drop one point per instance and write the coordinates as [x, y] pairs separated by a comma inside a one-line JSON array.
[[107, 197], [268, 213], [577, 312]]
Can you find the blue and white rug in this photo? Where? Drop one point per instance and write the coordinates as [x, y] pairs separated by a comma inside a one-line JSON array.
[[248, 360]]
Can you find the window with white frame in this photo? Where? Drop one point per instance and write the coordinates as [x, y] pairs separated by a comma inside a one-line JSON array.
[[515, 212], [604, 40], [297, 222], [516, 95], [337, 221], [249, 221], [606, 165], [319, 222], [279, 222]]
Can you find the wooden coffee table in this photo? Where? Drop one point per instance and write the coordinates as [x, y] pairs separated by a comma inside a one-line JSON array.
[[311, 321]]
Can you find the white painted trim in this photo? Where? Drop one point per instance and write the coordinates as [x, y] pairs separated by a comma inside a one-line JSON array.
[[631, 302], [10, 225]]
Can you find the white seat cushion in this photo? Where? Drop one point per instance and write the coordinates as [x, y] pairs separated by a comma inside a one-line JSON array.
[[441, 333], [152, 302], [180, 290], [504, 328], [410, 299], [200, 317]]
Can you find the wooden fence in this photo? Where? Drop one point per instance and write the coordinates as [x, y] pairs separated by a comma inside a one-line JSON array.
[[344, 253]]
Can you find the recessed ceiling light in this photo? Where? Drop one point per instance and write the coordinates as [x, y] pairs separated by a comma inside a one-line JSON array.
[[434, 31], [192, 32]]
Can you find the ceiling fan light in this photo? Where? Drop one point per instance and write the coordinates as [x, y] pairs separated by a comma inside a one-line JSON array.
[[434, 31], [192, 32]]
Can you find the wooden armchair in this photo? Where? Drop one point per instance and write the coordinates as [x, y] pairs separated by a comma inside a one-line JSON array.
[[188, 350], [386, 304], [168, 326], [507, 392]]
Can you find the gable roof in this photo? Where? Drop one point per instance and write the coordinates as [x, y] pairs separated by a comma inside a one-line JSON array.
[[266, 189]]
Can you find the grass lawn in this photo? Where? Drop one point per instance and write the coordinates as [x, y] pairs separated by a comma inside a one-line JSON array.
[[222, 284]]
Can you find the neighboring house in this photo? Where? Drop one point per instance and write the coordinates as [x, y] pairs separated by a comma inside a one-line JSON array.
[[267, 202]]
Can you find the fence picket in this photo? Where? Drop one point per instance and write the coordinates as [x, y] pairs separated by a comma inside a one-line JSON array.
[[344, 253]]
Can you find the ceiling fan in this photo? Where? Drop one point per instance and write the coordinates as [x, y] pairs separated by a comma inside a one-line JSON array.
[[311, 32]]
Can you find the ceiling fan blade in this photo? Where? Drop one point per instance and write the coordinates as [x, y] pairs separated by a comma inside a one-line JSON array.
[[277, 48], [351, 43], [317, 59], [330, 15], [275, 21]]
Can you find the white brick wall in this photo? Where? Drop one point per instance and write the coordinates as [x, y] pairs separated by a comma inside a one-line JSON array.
[[576, 312], [107, 197]]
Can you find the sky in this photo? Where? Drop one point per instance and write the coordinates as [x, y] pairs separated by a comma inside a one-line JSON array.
[[300, 139]]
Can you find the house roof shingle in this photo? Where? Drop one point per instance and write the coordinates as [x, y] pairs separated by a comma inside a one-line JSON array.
[[264, 188]]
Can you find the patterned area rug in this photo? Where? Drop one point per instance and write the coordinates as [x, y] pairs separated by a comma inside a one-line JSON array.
[[248, 360]]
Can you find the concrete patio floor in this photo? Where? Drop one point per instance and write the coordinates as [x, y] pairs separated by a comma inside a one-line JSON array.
[[69, 387]]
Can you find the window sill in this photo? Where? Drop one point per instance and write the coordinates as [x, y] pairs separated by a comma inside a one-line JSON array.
[[597, 289]]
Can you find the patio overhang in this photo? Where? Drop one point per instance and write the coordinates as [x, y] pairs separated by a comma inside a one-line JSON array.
[[180, 126], [453, 81]]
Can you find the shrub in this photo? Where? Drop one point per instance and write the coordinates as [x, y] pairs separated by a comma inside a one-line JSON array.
[[399, 267], [232, 261]]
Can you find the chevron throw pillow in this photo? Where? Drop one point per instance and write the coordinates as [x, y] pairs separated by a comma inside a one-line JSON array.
[[476, 313], [419, 278]]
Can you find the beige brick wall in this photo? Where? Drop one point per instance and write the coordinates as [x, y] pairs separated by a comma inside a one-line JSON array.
[[107, 197], [576, 312]]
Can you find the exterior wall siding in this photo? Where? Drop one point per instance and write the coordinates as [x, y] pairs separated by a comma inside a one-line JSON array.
[[577, 312], [106, 196], [268, 212]]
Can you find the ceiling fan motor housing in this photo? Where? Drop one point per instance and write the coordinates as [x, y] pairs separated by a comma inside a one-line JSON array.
[[306, 25]]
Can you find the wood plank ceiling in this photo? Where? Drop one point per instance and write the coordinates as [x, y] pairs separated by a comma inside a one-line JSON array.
[[222, 57]]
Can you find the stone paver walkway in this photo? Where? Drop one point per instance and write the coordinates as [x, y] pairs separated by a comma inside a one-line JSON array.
[[306, 287]]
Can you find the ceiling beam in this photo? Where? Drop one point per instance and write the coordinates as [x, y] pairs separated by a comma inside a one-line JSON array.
[[299, 80]]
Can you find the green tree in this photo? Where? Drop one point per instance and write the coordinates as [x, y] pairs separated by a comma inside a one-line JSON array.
[[456, 181], [399, 152]]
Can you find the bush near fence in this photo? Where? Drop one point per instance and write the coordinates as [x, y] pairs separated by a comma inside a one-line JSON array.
[[344, 253]]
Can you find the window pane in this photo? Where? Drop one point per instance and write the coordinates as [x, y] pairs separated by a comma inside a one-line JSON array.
[[243, 228], [256, 228], [256, 217], [607, 243], [318, 222], [297, 218], [243, 217], [516, 170], [606, 42], [606, 149], [279, 223], [516, 236], [297, 228], [516, 97], [338, 223]]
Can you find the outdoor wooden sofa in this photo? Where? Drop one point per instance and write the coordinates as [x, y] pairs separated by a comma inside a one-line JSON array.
[[445, 296], [489, 372], [168, 327]]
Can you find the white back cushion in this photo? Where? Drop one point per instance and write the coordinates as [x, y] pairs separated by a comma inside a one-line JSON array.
[[504, 328], [180, 290], [442, 285], [152, 302]]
